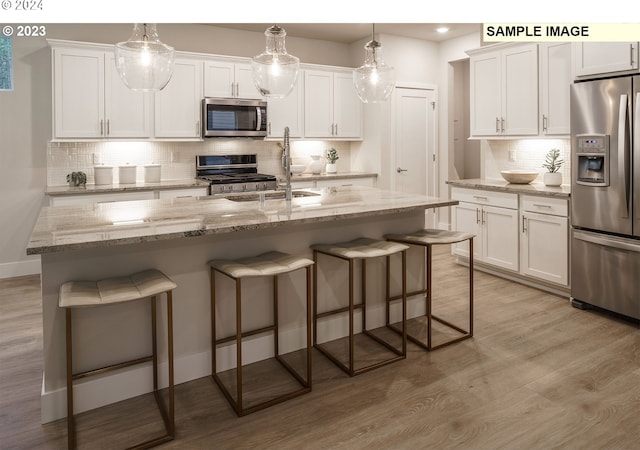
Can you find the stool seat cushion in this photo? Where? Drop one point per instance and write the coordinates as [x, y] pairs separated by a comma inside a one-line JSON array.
[[431, 237], [271, 263], [361, 248], [114, 290]]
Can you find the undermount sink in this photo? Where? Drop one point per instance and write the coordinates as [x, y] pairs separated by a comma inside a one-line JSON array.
[[269, 196]]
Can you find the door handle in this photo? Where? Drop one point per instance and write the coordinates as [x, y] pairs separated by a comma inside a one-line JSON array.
[[401, 170], [623, 155]]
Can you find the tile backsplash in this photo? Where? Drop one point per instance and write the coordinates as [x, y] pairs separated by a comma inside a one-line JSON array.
[[529, 155], [177, 158]]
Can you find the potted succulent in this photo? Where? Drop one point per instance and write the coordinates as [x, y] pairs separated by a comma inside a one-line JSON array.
[[77, 178], [553, 163], [332, 157]]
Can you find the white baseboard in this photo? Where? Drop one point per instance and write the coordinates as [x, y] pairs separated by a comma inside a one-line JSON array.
[[20, 268], [137, 380]]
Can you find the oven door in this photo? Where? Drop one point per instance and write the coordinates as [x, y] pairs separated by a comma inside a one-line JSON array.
[[234, 118]]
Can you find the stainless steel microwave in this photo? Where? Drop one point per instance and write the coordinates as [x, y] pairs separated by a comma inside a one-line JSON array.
[[225, 117]]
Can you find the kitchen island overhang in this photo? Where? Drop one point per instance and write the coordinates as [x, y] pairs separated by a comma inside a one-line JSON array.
[[178, 237]]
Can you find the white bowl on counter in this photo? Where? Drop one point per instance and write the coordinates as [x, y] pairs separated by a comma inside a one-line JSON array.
[[297, 168], [127, 174], [103, 175], [519, 176]]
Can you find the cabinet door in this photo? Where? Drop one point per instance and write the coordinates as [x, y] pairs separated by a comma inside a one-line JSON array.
[[78, 93], [520, 90], [287, 112], [484, 98], [500, 237], [177, 108], [466, 218], [347, 107], [544, 247], [218, 79], [245, 86], [594, 58], [556, 75], [127, 112], [318, 103]]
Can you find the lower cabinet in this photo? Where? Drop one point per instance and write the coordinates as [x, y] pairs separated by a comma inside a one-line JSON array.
[[106, 197], [544, 239], [524, 234]]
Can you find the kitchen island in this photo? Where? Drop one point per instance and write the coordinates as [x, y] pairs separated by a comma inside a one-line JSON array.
[[178, 237]]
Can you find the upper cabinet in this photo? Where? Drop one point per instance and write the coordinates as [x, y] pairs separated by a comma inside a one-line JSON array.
[[91, 101], [177, 106], [332, 108], [504, 91], [287, 112], [602, 58], [556, 76], [229, 80]]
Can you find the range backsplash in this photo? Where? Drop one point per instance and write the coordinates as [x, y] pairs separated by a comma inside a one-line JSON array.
[[177, 158]]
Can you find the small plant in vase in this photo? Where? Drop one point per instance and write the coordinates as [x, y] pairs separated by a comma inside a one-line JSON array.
[[553, 163], [332, 157]]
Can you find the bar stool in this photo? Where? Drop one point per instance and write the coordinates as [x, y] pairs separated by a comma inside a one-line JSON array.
[[87, 294], [268, 264], [360, 249], [428, 238]]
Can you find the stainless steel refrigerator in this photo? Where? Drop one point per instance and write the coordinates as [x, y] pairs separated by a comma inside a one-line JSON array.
[[605, 194]]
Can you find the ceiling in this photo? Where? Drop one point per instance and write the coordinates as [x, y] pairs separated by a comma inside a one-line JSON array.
[[348, 33]]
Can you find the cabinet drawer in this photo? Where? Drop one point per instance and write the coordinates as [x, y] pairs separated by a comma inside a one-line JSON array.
[[180, 193], [545, 205], [481, 197]]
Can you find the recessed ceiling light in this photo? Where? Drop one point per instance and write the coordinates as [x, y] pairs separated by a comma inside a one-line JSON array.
[[442, 29]]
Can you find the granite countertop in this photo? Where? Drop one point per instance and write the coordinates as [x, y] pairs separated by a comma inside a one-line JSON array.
[[139, 186], [503, 186], [328, 176], [61, 228]]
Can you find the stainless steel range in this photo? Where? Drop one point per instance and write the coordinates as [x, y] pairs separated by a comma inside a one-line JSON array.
[[227, 174]]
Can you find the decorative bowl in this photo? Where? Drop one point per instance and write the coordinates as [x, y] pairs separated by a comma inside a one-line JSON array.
[[297, 168], [519, 176]]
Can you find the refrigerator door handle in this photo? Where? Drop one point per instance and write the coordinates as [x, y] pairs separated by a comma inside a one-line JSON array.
[[623, 172], [613, 243]]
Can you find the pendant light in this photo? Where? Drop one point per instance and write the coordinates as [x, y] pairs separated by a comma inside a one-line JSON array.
[[275, 71], [143, 62], [374, 80]]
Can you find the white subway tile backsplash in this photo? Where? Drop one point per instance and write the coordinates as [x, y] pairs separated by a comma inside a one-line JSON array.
[[177, 158]]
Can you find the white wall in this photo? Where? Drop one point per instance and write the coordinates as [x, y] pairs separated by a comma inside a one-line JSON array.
[[25, 113]]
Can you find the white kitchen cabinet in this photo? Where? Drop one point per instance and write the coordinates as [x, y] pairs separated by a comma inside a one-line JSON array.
[[229, 79], [287, 112], [601, 58], [178, 105], [544, 239], [107, 197], [504, 91], [493, 218], [556, 76], [367, 181], [91, 101], [332, 108]]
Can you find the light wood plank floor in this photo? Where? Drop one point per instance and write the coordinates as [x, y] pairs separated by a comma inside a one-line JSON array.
[[538, 374]]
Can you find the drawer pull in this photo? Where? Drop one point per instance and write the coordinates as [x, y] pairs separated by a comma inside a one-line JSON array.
[[480, 197], [538, 205]]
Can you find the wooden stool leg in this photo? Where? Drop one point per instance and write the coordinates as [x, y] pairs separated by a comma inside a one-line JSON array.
[[315, 297], [404, 300], [276, 347], [429, 297], [239, 345], [309, 368], [154, 342], [471, 287], [351, 310], [71, 432], [172, 424], [214, 353]]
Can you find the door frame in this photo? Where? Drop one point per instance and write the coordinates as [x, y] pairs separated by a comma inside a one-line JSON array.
[[433, 156]]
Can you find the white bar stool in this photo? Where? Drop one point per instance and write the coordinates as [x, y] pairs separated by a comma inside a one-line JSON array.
[[89, 294], [428, 238], [360, 249], [268, 264]]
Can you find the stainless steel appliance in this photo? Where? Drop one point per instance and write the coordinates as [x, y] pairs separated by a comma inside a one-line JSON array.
[[227, 174], [605, 194], [226, 117]]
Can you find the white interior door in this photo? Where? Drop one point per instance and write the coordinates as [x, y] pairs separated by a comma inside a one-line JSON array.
[[414, 167]]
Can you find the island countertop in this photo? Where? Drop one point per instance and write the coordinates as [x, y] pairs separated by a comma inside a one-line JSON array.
[[61, 228]]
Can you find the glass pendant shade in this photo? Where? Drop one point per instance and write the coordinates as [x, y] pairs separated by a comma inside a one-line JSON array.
[[374, 80], [275, 71], [143, 62]]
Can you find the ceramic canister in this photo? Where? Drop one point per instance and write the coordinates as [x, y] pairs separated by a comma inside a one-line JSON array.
[[127, 174], [103, 174], [152, 173]]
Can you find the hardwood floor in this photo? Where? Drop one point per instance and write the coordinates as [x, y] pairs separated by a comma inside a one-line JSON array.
[[538, 374]]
